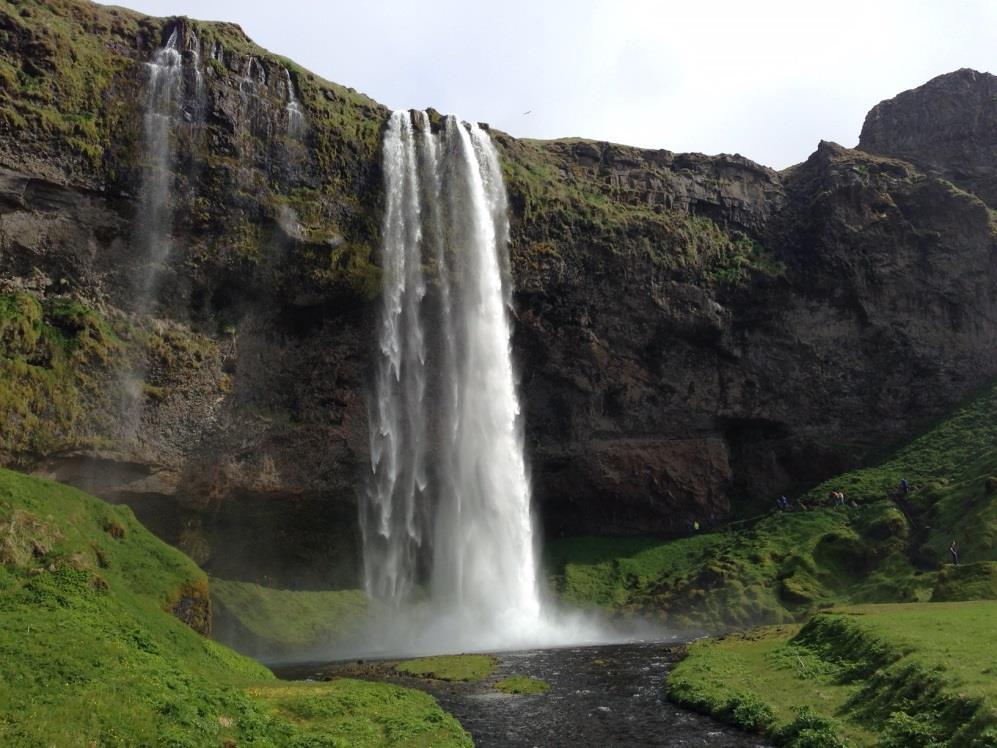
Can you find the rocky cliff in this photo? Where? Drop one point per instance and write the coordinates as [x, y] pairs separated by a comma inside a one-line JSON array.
[[693, 333], [947, 127]]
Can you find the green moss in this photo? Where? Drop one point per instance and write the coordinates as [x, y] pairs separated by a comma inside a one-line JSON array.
[[91, 653], [948, 468], [522, 684], [70, 73], [57, 62], [465, 667], [55, 358], [343, 268], [260, 620]]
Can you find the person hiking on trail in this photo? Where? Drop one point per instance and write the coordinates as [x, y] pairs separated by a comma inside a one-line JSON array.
[[955, 553], [904, 487], [783, 503]]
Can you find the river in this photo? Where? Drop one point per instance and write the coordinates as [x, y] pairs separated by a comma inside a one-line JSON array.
[[605, 695]]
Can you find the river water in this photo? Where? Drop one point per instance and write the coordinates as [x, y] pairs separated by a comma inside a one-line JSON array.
[[606, 695]]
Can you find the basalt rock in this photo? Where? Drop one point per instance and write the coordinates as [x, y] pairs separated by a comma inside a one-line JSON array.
[[694, 334]]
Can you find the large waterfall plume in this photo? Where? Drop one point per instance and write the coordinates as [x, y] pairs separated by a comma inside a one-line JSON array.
[[447, 526]]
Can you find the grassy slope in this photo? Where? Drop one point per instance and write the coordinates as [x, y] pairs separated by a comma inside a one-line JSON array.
[[783, 567], [894, 675], [269, 623], [90, 653], [779, 569]]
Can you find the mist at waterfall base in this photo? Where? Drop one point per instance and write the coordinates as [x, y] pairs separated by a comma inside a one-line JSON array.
[[450, 547]]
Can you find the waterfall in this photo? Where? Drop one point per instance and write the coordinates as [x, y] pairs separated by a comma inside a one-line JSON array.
[[447, 524], [155, 219], [295, 112], [165, 108]]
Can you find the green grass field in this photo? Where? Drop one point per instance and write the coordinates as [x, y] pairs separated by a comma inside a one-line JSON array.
[[93, 651], [901, 675]]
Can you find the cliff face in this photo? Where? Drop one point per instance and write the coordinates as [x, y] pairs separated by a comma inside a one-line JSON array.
[[854, 302], [693, 333]]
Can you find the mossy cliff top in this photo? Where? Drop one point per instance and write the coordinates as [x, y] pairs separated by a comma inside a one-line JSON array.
[[69, 70], [73, 81], [71, 74]]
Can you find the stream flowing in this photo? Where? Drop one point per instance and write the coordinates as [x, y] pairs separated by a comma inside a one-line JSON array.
[[606, 695]]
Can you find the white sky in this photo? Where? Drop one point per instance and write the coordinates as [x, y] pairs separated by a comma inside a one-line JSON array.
[[764, 78]]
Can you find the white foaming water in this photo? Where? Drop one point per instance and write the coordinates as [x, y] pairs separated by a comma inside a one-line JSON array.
[[449, 546]]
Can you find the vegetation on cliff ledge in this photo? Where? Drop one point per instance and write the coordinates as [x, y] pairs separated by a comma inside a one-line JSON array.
[[565, 209], [54, 358], [99, 646], [63, 365]]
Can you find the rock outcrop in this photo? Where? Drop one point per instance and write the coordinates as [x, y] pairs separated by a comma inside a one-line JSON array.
[[693, 333], [947, 126]]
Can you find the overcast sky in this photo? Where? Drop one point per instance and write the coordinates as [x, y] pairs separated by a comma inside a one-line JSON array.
[[764, 78]]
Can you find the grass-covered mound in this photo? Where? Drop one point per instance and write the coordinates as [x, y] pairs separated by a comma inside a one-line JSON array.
[[522, 684], [464, 667], [271, 624], [784, 566], [966, 582], [94, 651], [894, 675]]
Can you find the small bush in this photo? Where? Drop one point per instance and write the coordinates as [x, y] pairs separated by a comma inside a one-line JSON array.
[[810, 730], [751, 714], [905, 731]]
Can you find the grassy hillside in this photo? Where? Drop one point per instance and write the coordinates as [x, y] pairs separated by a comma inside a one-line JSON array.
[[779, 569], [893, 675], [784, 566], [94, 651]]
